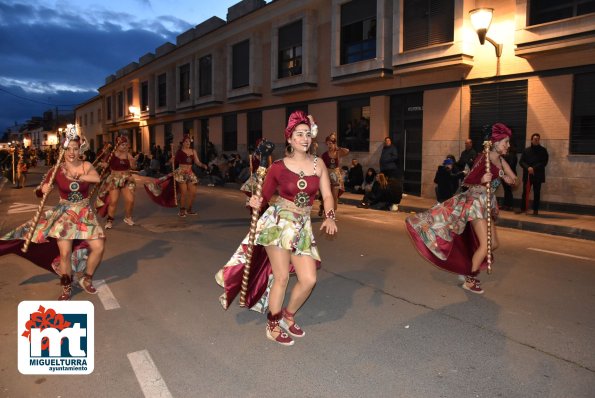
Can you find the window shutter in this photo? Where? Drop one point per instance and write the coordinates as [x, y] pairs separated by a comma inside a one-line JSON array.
[[427, 22], [582, 133], [499, 103]]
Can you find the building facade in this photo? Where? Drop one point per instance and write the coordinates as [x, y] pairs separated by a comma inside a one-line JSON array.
[[413, 70]]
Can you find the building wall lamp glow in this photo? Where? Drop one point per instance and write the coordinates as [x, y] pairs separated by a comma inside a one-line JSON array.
[[481, 18], [134, 112]]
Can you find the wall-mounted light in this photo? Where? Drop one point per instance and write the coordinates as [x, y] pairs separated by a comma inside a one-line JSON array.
[[134, 111], [481, 18]]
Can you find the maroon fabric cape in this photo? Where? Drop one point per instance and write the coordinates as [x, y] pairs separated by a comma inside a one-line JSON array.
[[459, 254], [40, 254], [167, 197]]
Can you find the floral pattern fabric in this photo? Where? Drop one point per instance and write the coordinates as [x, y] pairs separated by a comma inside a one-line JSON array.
[[446, 219]]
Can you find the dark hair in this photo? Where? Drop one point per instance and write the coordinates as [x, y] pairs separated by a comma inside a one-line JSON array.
[[535, 135]]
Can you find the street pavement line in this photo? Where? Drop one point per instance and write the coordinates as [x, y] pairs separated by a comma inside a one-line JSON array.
[[148, 375], [561, 254], [105, 295], [17, 207]]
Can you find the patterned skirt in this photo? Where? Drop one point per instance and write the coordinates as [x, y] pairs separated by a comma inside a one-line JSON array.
[[336, 177], [443, 234], [281, 225], [68, 220], [185, 176], [118, 180]]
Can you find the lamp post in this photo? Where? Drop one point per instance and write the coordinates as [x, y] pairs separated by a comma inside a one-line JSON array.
[[481, 19]]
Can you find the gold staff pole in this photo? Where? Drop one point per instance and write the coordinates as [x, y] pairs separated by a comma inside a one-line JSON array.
[[13, 167], [105, 171], [173, 175], [260, 173], [71, 134], [486, 148]]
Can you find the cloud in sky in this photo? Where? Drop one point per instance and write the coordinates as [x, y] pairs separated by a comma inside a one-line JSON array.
[[61, 55]]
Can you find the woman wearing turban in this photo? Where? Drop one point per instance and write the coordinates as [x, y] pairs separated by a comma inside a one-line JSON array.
[[284, 240], [453, 235]]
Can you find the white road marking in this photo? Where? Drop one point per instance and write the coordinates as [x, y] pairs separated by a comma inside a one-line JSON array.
[[148, 375], [105, 295], [561, 254], [24, 208]]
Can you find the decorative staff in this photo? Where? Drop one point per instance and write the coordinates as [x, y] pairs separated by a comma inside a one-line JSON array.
[[20, 166], [173, 174], [70, 135], [487, 145], [106, 169], [102, 153], [14, 180], [260, 174]]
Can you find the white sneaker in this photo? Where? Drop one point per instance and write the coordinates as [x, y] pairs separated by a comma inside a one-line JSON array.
[[109, 225], [394, 207], [129, 221]]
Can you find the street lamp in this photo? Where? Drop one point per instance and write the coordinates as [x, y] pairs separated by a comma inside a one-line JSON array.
[[481, 18]]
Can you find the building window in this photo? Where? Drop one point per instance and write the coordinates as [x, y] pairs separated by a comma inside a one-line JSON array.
[[162, 90], [184, 82], [129, 97], [358, 31], [80, 120], [241, 64], [582, 133], [354, 124], [98, 115], [499, 103], [85, 119], [427, 22], [205, 76], [144, 96], [554, 10], [254, 128], [120, 104], [92, 118], [295, 107], [230, 133], [290, 50]]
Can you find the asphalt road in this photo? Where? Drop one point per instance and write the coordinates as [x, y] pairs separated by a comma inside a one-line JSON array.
[[381, 321]]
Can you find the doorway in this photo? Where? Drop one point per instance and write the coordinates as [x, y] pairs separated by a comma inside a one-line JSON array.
[[406, 131]]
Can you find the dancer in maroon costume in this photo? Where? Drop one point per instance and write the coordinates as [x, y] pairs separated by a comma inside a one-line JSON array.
[[67, 238], [284, 238], [453, 234]]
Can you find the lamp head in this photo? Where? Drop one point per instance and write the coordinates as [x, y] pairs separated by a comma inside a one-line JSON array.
[[481, 19]]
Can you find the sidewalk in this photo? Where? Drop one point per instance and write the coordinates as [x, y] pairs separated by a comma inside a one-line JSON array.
[[548, 222]]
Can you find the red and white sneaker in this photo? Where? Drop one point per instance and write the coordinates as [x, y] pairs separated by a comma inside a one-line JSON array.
[[473, 285], [288, 323]]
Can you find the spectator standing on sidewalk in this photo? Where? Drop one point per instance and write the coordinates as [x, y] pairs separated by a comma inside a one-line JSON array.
[[467, 156], [389, 159], [533, 161]]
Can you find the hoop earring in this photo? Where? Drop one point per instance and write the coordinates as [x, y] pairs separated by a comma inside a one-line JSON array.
[[289, 149]]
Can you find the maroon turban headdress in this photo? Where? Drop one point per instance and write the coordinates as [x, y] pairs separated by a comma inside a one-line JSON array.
[[297, 117], [499, 132]]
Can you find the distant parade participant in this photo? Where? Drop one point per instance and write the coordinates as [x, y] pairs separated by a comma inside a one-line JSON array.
[[262, 156], [119, 182], [67, 238], [332, 160], [163, 191], [453, 235], [283, 238]]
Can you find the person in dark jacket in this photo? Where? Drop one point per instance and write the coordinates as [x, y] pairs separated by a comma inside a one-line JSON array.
[[467, 156], [533, 161], [389, 159], [355, 177], [447, 182]]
